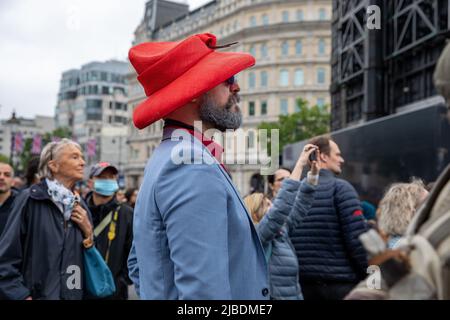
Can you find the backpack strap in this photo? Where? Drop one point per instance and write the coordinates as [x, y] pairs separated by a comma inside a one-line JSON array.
[[103, 224]]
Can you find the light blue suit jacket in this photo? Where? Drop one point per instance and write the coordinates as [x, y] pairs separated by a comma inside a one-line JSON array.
[[193, 237]]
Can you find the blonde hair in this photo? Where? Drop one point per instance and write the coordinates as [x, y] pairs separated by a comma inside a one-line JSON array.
[[399, 205], [50, 152], [255, 205]]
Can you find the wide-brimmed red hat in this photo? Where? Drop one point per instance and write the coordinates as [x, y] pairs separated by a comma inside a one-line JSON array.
[[174, 73]]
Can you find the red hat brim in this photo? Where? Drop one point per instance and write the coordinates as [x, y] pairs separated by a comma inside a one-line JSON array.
[[209, 72]]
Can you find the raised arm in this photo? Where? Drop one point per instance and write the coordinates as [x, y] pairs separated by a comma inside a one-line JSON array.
[[305, 197], [279, 213], [272, 222]]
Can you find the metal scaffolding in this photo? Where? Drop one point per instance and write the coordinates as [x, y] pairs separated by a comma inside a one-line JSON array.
[[376, 71]]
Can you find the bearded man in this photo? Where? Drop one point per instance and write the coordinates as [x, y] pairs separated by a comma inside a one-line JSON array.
[[193, 237]]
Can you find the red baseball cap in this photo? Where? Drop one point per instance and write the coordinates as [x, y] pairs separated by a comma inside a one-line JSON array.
[[174, 73]]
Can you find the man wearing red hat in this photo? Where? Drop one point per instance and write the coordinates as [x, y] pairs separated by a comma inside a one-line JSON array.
[[193, 238]]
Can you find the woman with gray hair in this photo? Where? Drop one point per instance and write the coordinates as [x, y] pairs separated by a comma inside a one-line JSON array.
[[397, 208], [41, 249]]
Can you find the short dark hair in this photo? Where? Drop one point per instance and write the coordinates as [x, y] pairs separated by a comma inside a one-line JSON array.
[[12, 169], [323, 143], [271, 178]]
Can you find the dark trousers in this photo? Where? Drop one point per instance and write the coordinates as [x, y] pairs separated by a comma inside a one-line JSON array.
[[326, 291]]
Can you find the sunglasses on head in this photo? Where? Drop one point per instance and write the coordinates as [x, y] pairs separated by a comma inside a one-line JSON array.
[[230, 81]]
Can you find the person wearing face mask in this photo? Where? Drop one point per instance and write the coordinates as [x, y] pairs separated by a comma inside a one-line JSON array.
[[113, 222]]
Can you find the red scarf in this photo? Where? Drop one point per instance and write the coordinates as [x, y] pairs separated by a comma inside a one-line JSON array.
[[213, 147]]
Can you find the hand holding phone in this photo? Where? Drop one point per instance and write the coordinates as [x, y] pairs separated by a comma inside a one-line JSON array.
[[313, 156]]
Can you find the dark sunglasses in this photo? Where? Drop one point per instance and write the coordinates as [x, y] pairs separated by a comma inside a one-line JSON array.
[[231, 81]]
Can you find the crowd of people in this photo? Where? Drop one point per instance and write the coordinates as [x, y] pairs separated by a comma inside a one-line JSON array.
[[308, 229], [43, 225], [187, 233]]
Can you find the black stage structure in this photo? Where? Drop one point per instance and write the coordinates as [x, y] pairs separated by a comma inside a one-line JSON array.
[[385, 113]]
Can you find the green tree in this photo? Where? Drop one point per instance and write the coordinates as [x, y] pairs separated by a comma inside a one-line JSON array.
[[4, 158], [308, 122]]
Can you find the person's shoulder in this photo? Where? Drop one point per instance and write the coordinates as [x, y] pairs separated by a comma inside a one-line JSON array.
[[20, 199], [125, 208], [344, 186], [173, 154], [20, 194], [343, 183]]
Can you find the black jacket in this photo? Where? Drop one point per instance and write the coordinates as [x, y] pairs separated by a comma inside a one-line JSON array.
[[120, 246], [40, 255], [326, 241], [5, 209]]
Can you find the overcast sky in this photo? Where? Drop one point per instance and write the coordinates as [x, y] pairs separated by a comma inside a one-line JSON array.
[[41, 39]]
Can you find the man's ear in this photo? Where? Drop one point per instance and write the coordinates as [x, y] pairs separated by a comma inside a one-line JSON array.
[[323, 157], [90, 183]]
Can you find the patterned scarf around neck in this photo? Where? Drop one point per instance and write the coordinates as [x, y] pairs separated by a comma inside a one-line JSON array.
[[62, 196]]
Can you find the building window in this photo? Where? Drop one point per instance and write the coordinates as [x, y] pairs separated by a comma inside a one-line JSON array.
[[285, 16], [263, 107], [264, 52], [264, 79], [284, 48], [93, 109], [321, 76], [251, 108], [252, 50], [299, 77], [105, 90], [119, 119], [93, 90], [300, 16], [103, 76], [321, 48], [322, 14], [284, 78], [251, 80], [265, 20], [298, 47], [252, 21], [284, 106], [94, 75], [320, 102], [120, 106]]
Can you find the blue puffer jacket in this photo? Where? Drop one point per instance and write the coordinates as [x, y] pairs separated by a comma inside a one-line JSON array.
[[326, 240], [293, 201]]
